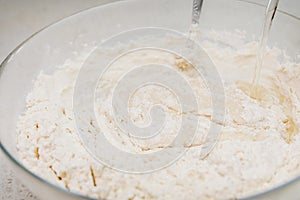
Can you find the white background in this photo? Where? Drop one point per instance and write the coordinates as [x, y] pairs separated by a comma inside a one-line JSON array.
[[21, 18]]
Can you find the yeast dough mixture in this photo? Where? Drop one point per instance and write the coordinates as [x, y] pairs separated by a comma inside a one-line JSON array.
[[258, 147]]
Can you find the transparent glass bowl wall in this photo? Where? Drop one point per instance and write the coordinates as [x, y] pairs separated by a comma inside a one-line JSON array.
[[53, 45]]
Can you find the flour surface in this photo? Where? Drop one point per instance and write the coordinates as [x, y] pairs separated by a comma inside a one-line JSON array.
[[258, 148]]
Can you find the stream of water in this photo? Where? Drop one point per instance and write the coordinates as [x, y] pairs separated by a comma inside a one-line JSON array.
[[269, 17]]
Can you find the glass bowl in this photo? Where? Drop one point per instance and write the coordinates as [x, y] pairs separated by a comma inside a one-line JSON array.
[[67, 38]]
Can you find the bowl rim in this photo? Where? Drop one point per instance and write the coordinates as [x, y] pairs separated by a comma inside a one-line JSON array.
[[77, 195]]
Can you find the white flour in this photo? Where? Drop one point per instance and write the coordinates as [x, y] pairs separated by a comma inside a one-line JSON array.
[[259, 146]]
